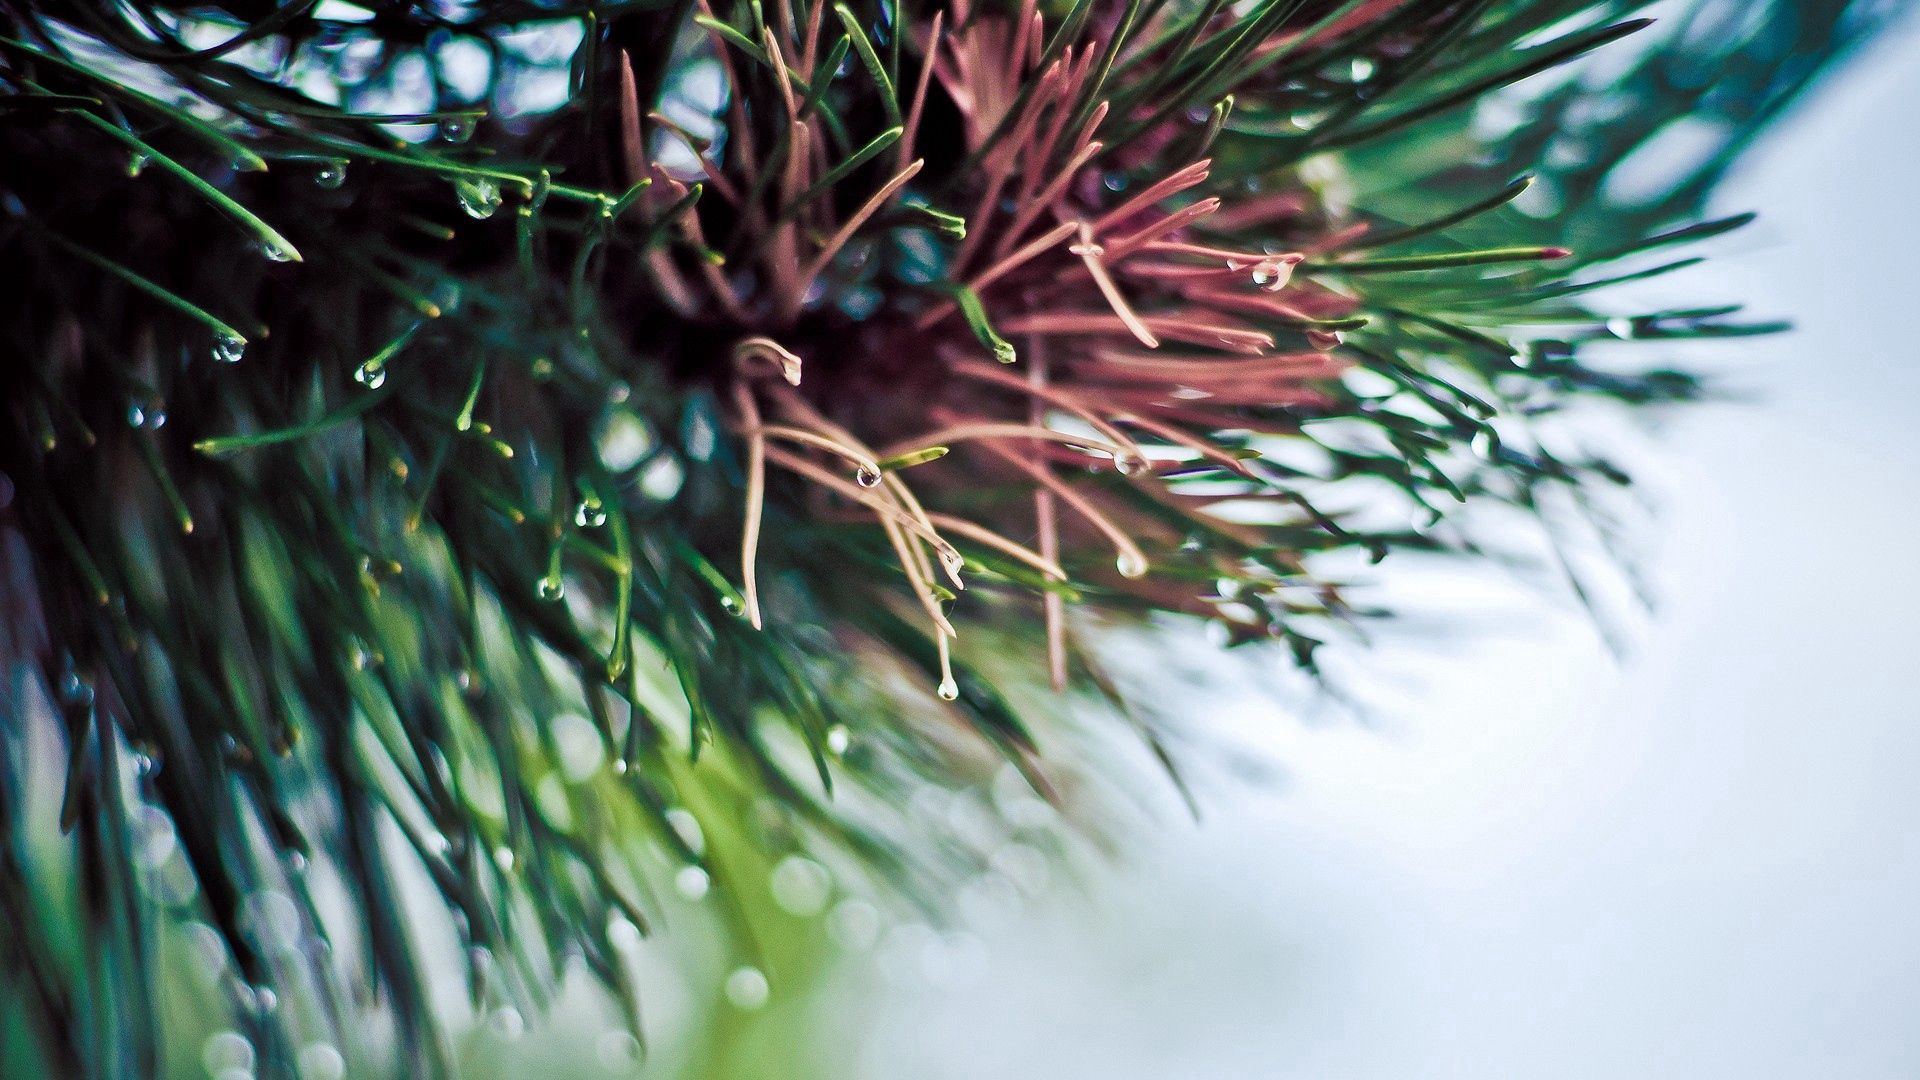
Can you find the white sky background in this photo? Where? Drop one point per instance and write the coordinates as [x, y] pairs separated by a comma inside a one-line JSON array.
[[1702, 863]]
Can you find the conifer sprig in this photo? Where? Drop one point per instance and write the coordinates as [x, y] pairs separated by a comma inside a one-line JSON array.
[[573, 453]]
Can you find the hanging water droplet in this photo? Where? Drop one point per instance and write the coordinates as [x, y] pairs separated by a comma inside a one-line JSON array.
[[1131, 564], [1361, 69], [229, 348], [1129, 464], [508, 1023], [1114, 181], [331, 174], [590, 514], [503, 858], [1486, 443], [457, 129], [691, 882], [321, 1061], [623, 440], [479, 198], [733, 607], [137, 164], [800, 886], [838, 739], [154, 839], [687, 828], [552, 587], [1621, 328], [948, 689], [854, 925], [747, 988], [866, 477], [136, 416], [227, 1050], [275, 252], [372, 374]]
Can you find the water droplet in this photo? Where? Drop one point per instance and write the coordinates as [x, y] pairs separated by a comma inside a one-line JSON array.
[[866, 477], [155, 841], [747, 988], [1621, 328], [136, 416], [229, 348], [276, 253], [624, 440], [1361, 69], [271, 917], [662, 478], [854, 925], [457, 129], [1130, 464], [948, 689], [590, 514], [1114, 181], [800, 886], [578, 745], [552, 587], [503, 858], [622, 933], [479, 198], [733, 607], [321, 1061], [331, 174], [691, 882], [838, 739], [687, 827], [1131, 564], [372, 374], [508, 1023], [226, 1050]]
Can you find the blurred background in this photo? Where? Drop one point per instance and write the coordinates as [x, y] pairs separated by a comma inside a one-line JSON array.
[[1528, 857]]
